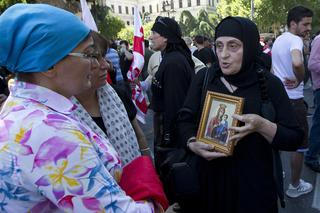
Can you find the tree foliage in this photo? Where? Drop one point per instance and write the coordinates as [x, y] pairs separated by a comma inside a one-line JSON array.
[[4, 4], [202, 25], [234, 8], [111, 26], [147, 29], [127, 32], [270, 15], [187, 22]]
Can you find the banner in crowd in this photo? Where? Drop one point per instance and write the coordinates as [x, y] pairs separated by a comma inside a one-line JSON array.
[[136, 67]]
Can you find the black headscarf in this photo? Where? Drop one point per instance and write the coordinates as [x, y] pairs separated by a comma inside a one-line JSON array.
[[247, 32], [170, 29]]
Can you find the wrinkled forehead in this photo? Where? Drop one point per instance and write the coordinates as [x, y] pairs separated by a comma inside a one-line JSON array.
[[227, 39]]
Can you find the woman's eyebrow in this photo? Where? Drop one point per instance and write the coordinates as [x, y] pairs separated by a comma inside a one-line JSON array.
[[233, 40]]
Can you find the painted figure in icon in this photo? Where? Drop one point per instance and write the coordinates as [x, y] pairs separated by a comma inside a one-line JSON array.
[[221, 132], [214, 122]]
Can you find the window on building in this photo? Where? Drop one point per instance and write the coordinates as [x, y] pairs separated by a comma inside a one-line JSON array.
[[172, 4], [198, 2], [209, 2], [150, 8], [112, 8], [143, 9], [189, 3], [128, 23], [157, 8], [132, 10], [180, 3], [120, 9], [127, 10]]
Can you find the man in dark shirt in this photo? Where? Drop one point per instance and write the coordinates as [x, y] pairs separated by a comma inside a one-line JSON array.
[[126, 58]]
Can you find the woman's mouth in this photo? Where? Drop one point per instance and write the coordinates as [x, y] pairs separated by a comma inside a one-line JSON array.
[[225, 65], [104, 76]]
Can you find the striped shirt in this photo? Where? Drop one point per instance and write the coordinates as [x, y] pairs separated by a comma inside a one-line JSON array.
[[112, 55]]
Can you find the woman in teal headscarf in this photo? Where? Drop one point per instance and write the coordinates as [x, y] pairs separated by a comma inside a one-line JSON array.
[[49, 161]]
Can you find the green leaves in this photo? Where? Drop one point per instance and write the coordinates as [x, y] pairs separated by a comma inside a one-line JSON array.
[[110, 26], [269, 15], [4, 4], [204, 24]]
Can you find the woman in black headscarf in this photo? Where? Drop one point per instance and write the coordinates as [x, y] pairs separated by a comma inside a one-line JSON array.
[[172, 80], [243, 182]]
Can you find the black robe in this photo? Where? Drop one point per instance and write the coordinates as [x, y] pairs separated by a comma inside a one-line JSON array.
[[169, 88], [243, 182]]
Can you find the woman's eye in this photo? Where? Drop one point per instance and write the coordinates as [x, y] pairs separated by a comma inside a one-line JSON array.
[[96, 55], [219, 46], [233, 46], [93, 55]]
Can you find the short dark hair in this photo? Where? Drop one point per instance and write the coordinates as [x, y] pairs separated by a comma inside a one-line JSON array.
[[297, 13], [124, 42], [200, 39], [146, 43]]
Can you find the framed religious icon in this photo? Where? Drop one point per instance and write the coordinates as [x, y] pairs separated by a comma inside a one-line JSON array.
[[216, 118]]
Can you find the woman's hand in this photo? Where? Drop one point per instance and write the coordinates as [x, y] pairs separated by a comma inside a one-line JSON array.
[[205, 150], [253, 123]]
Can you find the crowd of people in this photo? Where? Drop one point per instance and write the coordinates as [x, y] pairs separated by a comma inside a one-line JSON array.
[[70, 140]]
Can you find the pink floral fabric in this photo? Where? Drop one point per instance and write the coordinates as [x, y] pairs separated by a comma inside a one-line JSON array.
[[49, 162]]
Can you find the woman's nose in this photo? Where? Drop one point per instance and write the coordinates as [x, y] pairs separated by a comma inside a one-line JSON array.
[[94, 63], [224, 52]]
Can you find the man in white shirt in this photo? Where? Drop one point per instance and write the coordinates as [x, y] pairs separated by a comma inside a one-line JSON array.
[[287, 64]]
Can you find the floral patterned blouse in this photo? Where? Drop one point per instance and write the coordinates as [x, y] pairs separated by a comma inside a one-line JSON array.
[[49, 162]]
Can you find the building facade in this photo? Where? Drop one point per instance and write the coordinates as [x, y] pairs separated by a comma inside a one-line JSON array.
[[150, 9]]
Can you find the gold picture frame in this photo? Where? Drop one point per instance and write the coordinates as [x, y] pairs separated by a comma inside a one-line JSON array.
[[216, 118]]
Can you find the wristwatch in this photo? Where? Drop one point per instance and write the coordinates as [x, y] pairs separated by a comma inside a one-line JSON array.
[[191, 140]]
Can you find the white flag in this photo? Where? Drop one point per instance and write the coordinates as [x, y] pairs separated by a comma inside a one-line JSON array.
[[87, 16]]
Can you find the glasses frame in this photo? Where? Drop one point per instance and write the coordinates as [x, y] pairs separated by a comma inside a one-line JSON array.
[[93, 57]]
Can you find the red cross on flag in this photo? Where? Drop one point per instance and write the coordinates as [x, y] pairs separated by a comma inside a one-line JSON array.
[[136, 67]]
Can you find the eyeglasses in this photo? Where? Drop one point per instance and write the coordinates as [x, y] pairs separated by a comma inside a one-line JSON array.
[[92, 56]]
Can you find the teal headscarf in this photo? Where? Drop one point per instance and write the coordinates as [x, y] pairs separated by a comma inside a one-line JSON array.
[[34, 37]]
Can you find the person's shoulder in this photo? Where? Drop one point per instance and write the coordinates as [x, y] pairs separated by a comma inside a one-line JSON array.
[[148, 52], [273, 80], [292, 38], [112, 52], [316, 41], [174, 57]]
